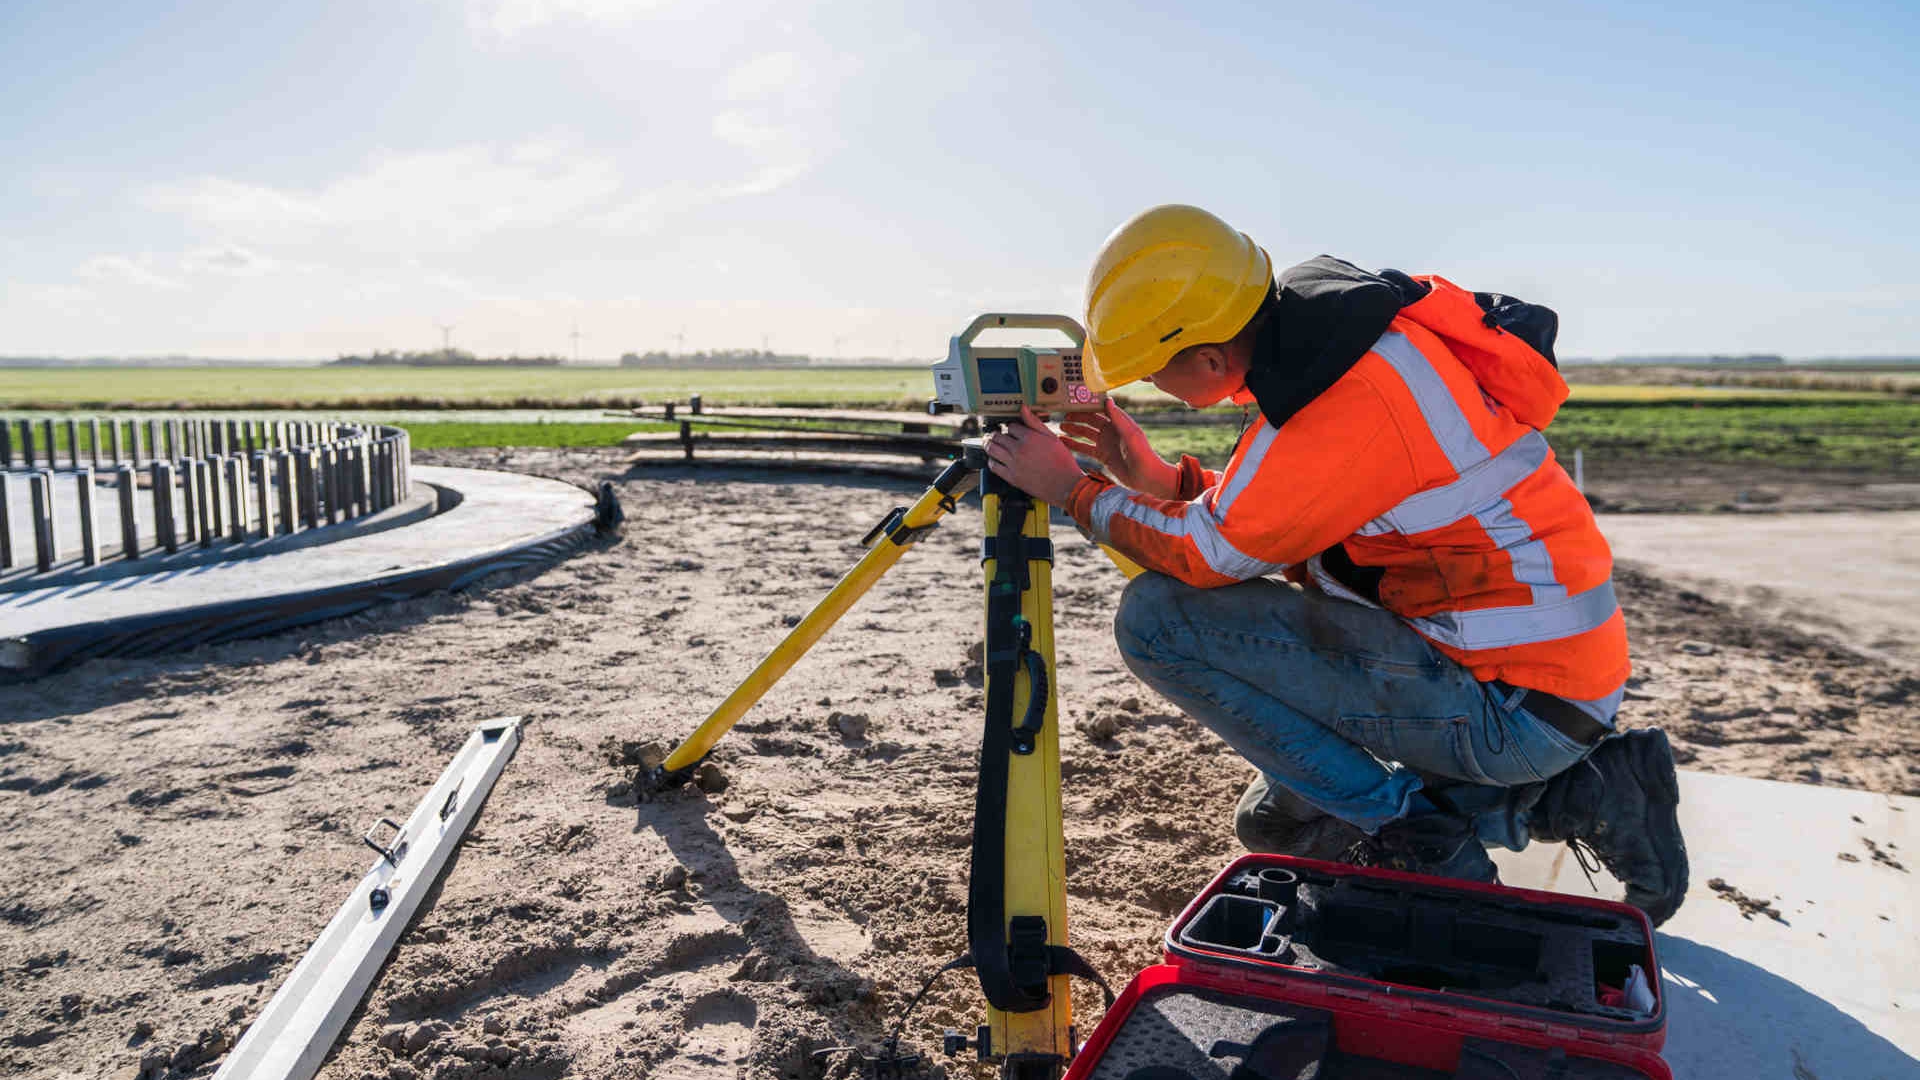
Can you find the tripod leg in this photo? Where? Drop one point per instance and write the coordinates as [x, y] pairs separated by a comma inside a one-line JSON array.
[[889, 540], [1125, 565], [1017, 892]]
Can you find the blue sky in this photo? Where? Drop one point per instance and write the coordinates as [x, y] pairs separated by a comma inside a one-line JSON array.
[[245, 179]]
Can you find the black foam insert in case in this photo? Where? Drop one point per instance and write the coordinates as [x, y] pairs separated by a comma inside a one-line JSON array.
[[1423, 936]]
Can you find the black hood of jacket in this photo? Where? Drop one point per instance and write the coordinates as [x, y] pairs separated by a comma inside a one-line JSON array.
[[1323, 316]]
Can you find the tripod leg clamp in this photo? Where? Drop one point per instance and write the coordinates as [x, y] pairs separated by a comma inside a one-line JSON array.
[[895, 528], [1028, 548]]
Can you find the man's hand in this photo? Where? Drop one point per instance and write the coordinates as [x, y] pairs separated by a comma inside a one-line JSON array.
[[1111, 438], [1034, 459]]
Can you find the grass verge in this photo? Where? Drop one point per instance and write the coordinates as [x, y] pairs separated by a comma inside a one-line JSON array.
[[453, 436], [1879, 435]]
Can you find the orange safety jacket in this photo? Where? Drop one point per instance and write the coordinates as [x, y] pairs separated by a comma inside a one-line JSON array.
[[1417, 481]]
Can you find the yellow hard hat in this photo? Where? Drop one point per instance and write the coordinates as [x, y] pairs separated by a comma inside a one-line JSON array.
[[1172, 277]]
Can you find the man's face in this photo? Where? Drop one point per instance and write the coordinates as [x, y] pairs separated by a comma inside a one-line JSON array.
[[1200, 376]]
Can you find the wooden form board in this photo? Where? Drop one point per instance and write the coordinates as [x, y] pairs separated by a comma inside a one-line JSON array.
[[892, 467], [691, 442], [907, 420]]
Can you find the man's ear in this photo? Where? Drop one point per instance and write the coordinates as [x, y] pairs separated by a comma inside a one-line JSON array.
[[1215, 357]]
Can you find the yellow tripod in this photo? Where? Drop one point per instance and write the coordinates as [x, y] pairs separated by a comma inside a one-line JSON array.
[[1017, 909]]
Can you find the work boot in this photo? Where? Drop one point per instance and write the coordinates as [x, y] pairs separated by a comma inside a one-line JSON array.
[[1622, 802], [1272, 820], [1439, 845]]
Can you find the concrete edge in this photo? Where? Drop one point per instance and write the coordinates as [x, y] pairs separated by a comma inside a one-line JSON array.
[[46, 651]]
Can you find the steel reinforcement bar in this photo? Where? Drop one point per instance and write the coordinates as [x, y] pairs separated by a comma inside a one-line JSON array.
[[210, 480]]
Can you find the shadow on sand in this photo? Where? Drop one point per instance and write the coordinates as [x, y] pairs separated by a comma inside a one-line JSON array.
[[843, 999]]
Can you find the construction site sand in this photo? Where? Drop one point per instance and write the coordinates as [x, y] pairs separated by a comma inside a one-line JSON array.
[[178, 830]]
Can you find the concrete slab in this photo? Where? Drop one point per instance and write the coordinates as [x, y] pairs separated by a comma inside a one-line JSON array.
[[502, 520], [1832, 988], [1853, 577]]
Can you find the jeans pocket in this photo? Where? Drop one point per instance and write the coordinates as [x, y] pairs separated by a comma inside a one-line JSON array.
[[1545, 750], [1433, 744]]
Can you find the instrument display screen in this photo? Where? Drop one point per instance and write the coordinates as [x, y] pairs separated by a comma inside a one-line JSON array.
[[999, 375]]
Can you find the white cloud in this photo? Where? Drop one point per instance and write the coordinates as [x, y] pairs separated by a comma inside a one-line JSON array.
[[781, 117], [752, 133], [778, 141], [432, 200], [21, 302], [763, 76], [440, 279], [507, 237], [125, 270], [648, 210], [508, 18], [769, 179], [228, 259], [439, 203]]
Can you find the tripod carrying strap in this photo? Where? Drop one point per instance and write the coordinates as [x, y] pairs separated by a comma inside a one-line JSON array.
[[1013, 967]]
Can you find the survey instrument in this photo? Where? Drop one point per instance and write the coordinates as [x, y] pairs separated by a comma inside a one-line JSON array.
[[997, 380]]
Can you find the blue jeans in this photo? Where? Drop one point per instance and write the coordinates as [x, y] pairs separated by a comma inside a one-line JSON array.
[[1342, 704]]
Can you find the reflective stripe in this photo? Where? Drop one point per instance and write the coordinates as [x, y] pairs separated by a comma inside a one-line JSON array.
[[1198, 525], [1498, 628], [1467, 629], [1249, 465], [1442, 412], [1100, 516], [1532, 563], [1477, 488], [1480, 493]]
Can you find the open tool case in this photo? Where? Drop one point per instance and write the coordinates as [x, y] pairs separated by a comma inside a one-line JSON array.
[[1289, 969]]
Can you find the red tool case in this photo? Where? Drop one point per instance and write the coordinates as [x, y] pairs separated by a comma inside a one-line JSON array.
[[1288, 969]]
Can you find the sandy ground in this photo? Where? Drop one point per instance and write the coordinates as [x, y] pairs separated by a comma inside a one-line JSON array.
[[177, 831]]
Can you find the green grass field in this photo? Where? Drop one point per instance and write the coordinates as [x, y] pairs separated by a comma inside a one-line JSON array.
[[426, 388], [563, 387], [1881, 435], [452, 436], [1812, 428]]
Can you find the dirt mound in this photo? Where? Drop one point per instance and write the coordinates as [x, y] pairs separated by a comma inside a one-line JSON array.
[[194, 819]]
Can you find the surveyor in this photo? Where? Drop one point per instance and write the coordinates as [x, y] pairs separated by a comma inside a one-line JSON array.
[[1393, 602]]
